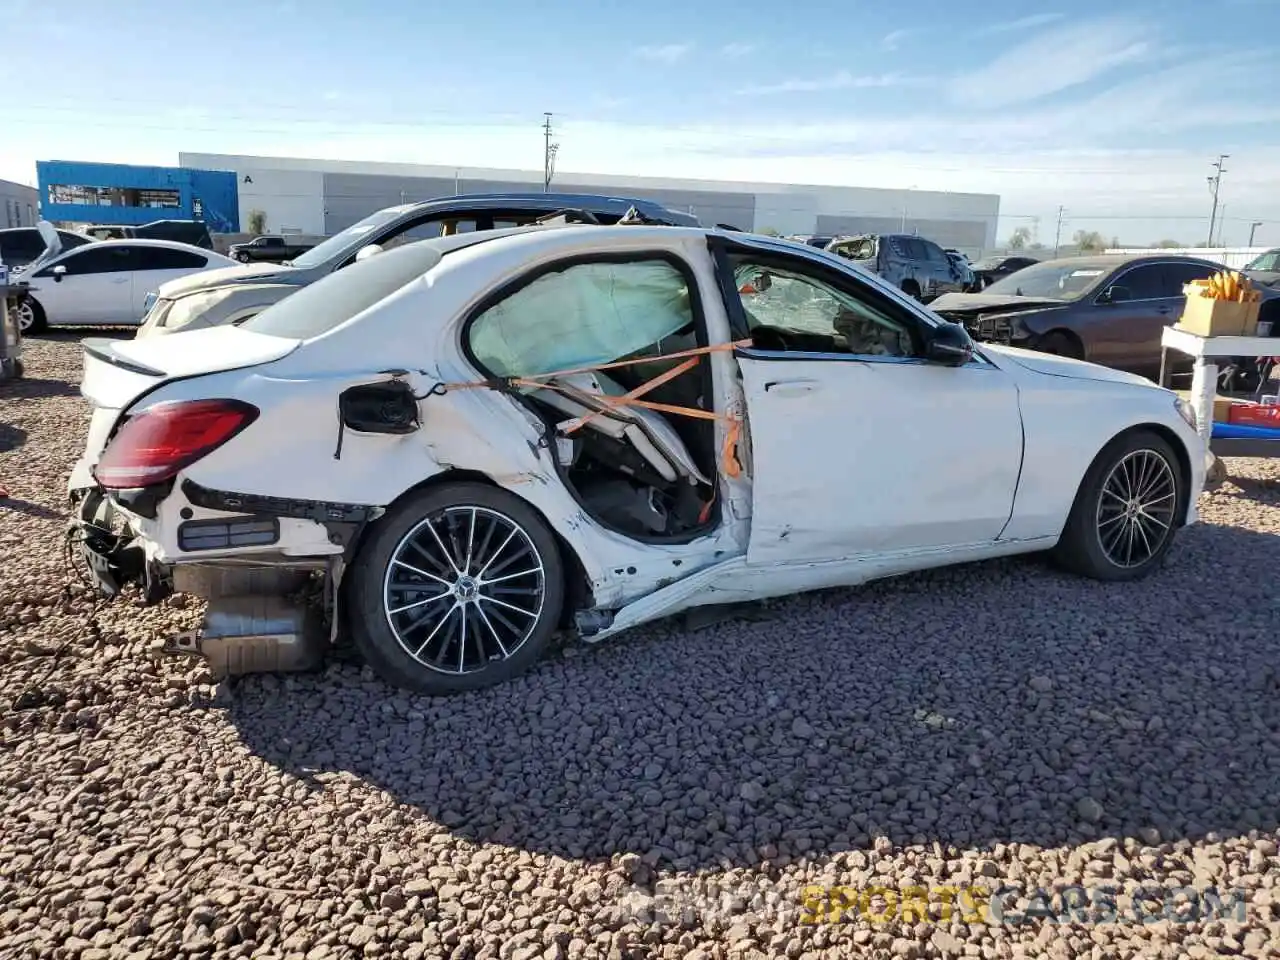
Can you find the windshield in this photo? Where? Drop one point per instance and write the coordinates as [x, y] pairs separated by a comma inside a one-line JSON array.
[[1049, 281], [856, 248], [1269, 261], [323, 252], [336, 298]]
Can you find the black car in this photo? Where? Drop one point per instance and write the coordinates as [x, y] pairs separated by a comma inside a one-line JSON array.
[[194, 232], [990, 269], [20, 245], [1264, 268], [1109, 310]]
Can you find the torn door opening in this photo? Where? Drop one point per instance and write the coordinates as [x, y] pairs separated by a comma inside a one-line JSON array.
[[608, 355]]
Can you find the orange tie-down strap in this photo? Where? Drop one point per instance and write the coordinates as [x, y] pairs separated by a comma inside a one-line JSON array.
[[728, 455]]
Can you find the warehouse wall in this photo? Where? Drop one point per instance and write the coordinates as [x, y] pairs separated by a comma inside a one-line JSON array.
[[293, 200], [19, 205], [328, 195], [208, 195]]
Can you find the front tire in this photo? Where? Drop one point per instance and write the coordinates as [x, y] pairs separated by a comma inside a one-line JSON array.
[[460, 587], [242, 257], [31, 317], [1125, 514], [1059, 344]]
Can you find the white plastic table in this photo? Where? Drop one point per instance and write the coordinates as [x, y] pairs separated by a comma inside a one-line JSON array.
[[1206, 351]]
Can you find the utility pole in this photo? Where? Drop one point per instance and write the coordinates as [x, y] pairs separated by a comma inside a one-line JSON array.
[[1222, 222], [548, 155], [1252, 227], [1215, 182], [1057, 234]]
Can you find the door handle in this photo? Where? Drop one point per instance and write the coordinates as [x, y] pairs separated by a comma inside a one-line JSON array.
[[790, 388], [119, 279]]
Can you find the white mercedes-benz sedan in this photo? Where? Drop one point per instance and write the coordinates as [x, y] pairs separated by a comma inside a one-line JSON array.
[[469, 443]]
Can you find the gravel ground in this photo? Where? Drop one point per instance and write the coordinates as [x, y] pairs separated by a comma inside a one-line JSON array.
[[668, 796]]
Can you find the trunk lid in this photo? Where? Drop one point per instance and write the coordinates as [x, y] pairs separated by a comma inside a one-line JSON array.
[[118, 372]]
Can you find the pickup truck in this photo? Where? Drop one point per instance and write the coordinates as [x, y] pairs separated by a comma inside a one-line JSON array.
[[272, 249]]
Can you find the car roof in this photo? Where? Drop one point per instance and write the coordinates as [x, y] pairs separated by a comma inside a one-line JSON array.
[[542, 201], [1109, 261]]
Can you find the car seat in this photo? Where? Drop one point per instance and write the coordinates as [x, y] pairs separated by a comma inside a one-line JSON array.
[[646, 432]]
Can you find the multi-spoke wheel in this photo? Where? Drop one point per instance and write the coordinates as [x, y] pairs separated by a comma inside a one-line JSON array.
[[1126, 511], [30, 316], [458, 588]]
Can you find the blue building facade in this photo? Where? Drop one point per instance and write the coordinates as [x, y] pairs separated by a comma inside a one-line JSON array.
[[117, 193]]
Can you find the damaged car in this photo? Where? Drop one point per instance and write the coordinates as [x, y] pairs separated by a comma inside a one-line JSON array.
[[456, 449], [916, 266], [1109, 309]]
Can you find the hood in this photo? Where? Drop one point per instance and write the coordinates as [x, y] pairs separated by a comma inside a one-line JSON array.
[[1268, 278], [246, 273], [52, 247], [971, 304], [1055, 366]]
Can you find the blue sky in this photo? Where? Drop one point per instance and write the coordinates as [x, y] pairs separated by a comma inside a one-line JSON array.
[[1111, 110]]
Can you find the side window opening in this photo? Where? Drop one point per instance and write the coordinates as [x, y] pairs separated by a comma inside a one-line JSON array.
[[792, 311], [647, 474]]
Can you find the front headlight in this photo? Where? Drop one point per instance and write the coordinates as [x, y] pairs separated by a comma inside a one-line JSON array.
[[190, 308], [1186, 412]]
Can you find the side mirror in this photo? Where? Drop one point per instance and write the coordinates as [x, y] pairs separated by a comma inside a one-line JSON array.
[[949, 345], [1115, 294], [58, 272]]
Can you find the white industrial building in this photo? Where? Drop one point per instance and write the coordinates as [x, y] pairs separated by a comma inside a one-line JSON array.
[[321, 197]]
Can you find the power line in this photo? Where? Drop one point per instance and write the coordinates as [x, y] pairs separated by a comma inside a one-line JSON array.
[[548, 155], [1214, 183]]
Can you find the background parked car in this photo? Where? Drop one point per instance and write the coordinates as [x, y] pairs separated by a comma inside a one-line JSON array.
[[916, 266], [1265, 268], [1105, 309], [21, 245], [232, 296], [193, 232], [106, 282], [990, 269], [268, 247], [961, 262]]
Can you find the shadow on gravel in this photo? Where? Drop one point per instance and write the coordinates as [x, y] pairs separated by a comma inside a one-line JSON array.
[[29, 509], [996, 703], [11, 437], [36, 388]]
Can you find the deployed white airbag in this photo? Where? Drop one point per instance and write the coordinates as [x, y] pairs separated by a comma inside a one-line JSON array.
[[607, 311]]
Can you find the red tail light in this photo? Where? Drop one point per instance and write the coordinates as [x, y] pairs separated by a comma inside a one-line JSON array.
[[154, 445]]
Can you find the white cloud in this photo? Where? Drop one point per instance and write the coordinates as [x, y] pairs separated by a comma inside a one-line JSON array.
[[1053, 61], [841, 80], [665, 53], [1022, 23], [894, 38], [737, 49]]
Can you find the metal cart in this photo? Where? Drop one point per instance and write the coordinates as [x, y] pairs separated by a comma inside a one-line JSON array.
[[1207, 351], [11, 295]]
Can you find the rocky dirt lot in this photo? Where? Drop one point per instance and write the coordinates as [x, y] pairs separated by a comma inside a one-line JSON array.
[[672, 795]]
